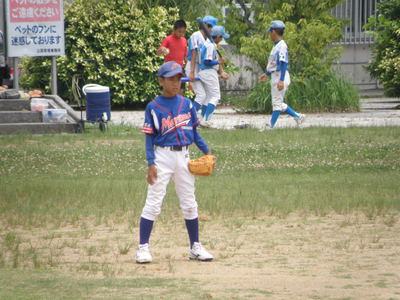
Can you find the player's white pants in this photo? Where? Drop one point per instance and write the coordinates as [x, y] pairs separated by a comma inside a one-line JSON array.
[[210, 81], [171, 164], [197, 86], [277, 95]]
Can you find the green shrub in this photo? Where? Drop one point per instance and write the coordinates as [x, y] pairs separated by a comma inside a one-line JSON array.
[[120, 36], [385, 63], [330, 93]]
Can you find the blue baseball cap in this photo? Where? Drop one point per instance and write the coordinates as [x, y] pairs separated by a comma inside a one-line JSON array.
[[219, 31], [210, 20], [276, 25], [170, 69]]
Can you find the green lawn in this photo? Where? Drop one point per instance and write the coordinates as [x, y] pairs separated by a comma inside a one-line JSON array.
[[60, 179]]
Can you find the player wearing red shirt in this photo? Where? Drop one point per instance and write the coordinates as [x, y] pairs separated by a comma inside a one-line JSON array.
[[174, 46]]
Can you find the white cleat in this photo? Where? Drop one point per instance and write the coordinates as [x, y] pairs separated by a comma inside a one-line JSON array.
[[143, 255], [265, 127], [300, 119], [206, 124], [199, 253]]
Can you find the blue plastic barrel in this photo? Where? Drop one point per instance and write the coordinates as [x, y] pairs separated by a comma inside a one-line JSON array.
[[97, 102]]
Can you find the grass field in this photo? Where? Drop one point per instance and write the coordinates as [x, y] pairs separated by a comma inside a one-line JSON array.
[[289, 214]]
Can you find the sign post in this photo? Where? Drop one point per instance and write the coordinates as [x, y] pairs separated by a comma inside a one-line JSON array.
[[35, 28]]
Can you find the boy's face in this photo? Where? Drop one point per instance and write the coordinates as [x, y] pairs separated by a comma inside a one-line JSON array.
[[218, 39], [171, 85], [274, 36], [180, 32]]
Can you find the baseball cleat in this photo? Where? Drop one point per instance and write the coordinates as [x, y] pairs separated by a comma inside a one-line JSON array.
[[199, 253], [206, 124], [300, 119], [265, 127], [143, 255]]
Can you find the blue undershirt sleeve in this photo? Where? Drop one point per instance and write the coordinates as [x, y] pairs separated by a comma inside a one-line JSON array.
[[199, 141], [210, 63], [283, 68], [150, 156], [268, 73]]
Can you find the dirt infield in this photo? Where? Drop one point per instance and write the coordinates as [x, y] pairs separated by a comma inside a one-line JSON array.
[[298, 257]]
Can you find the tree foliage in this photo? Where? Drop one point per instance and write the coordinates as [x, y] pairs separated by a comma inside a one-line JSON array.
[[310, 32], [385, 63], [121, 37]]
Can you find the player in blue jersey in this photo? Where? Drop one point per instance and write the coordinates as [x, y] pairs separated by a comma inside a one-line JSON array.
[[278, 69], [196, 41], [171, 127], [210, 66]]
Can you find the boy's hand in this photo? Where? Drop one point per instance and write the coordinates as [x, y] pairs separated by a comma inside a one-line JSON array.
[[221, 60], [152, 174], [263, 77], [224, 75], [162, 51], [280, 85]]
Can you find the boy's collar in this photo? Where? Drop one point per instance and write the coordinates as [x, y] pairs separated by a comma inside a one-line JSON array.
[[276, 42]]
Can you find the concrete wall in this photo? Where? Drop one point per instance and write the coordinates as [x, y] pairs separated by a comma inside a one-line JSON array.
[[352, 65], [245, 79]]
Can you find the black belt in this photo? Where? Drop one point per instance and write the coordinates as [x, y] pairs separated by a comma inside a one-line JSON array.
[[175, 148]]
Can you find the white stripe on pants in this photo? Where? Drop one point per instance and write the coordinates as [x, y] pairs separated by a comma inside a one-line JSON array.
[[171, 164], [210, 80], [277, 95]]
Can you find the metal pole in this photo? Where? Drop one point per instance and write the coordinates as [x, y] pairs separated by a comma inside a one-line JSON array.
[[54, 76], [16, 74]]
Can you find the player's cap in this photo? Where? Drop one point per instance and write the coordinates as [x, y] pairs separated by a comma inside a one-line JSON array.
[[210, 20], [219, 31], [170, 69], [276, 25]]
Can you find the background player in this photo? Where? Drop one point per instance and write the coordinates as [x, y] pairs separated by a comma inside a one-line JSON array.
[[210, 65], [170, 127], [196, 41], [174, 46], [277, 68]]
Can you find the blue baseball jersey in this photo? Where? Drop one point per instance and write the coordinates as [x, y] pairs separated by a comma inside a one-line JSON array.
[[196, 40], [279, 53], [208, 52], [171, 122]]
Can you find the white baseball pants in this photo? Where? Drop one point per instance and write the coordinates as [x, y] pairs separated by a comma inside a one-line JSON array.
[[277, 95], [210, 81], [171, 164], [197, 86]]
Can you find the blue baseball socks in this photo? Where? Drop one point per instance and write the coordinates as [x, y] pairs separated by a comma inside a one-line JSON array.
[[274, 117], [192, 227], [291, 112], [196, 105], [203, 110], [145, 228], [277, 113], [209, 111]]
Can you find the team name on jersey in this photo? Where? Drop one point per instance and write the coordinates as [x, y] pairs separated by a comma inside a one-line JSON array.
[[170, 124]]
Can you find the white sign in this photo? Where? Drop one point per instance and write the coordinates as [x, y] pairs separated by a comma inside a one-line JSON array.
[[35, 28]]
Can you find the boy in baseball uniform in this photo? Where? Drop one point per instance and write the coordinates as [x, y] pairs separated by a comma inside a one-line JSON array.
[[171, 127], [196, 41], [278, 69], [210, 66]]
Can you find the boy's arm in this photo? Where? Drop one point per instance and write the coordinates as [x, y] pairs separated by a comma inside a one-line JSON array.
[[150, 156], [199, 141], [163, 50], [193, 64]]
